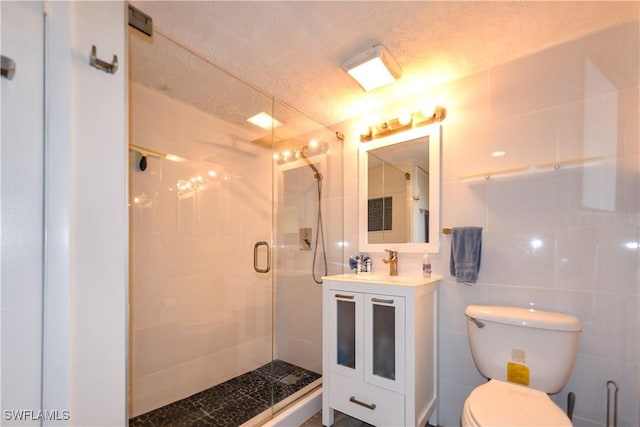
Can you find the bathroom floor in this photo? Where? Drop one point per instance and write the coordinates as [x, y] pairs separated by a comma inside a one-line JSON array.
[[233, 402], [339, 420]]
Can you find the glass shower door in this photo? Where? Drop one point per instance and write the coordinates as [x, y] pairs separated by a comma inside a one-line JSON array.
[[308, 245], [200, 198], [227, 189]]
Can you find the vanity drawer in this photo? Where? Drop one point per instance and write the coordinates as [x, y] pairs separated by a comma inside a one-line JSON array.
[[389, 406]]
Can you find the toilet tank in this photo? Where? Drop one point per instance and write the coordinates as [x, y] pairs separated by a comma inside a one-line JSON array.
[[529, 347]]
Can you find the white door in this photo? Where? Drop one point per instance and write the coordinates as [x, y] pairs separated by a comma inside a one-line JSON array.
[[21, 202]]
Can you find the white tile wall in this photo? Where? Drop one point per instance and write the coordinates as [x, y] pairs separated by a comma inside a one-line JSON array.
[[574, 100]]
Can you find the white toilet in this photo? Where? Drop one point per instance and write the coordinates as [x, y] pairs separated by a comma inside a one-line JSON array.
[[525, 354]]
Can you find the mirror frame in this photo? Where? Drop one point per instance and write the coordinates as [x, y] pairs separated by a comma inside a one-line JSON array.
[[434, 132]]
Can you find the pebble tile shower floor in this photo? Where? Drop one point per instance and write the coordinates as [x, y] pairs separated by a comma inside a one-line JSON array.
[[233, 402]]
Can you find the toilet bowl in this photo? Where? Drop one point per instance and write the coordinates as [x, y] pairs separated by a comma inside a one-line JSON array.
[[510, 347], [501, 404]]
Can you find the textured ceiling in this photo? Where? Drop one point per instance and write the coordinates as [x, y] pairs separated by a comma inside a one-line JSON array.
[[294, 50]]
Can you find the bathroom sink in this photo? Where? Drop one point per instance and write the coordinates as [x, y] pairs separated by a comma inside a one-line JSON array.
[[384, 279], [367, 277]]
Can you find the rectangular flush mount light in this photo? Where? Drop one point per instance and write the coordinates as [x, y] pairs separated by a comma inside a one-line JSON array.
[[265, 121], [373, 68]]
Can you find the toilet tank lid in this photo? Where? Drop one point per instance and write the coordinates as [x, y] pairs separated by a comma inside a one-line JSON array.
[[524, 317]]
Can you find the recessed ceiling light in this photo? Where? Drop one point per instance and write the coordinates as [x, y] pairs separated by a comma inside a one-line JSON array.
[[265, 121], [498, 153]]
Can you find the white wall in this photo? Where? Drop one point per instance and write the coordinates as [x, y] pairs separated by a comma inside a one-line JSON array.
[[99, 229], [85, 268], [552, 240]]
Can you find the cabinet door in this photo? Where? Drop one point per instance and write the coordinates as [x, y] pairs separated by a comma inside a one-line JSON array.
[[345, 323], [384, 360]]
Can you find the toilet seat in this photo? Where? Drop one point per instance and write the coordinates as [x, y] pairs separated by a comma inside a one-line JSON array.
[[498, 403]]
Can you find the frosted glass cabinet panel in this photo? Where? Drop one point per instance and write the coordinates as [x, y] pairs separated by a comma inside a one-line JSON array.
[[384, 341], [346, 333], [384, 333], [379, 350], [346, 326]]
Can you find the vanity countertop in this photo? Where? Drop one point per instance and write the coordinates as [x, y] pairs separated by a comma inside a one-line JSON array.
[[383, 279]]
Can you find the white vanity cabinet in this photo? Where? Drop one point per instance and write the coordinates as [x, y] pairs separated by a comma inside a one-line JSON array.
[[379, 349]]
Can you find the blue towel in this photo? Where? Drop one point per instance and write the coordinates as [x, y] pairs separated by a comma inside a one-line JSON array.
[[466, 248]]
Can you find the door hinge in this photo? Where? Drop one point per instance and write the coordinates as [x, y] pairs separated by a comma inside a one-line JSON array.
[[140, 21]]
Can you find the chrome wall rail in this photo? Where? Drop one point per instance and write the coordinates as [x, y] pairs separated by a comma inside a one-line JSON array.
[[7, 67], [103, 65], [611, 385]]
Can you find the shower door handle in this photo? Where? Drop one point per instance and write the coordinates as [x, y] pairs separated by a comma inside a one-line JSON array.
[[255, 257]]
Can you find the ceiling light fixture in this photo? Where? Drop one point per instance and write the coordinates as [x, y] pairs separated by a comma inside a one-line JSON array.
[[299, 152], [373, 68], [402, 123], [265, 121]]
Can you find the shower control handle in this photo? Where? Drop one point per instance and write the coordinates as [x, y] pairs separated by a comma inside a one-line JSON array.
[[255, 257]]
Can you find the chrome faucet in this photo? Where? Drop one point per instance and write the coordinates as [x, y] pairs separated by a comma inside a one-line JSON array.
[[392, 261]]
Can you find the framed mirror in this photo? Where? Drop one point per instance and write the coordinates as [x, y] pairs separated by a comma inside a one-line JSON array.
[[399, 191]]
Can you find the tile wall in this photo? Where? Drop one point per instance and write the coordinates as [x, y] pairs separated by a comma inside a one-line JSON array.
[[563, 240]]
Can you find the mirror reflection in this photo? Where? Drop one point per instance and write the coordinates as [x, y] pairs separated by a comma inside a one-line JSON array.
[[398, 193]]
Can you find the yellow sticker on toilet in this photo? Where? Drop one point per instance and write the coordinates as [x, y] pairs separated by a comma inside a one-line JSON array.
[[517, 373]]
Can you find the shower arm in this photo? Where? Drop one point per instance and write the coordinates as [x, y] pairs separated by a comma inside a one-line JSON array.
[[311, 165]]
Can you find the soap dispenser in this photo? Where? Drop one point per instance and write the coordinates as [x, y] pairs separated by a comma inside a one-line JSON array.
[[426, 265]]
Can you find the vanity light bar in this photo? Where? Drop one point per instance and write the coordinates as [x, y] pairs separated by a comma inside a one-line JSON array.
[[397, 125]]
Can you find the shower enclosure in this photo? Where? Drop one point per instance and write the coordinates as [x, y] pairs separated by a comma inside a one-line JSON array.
[[225, 317]]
